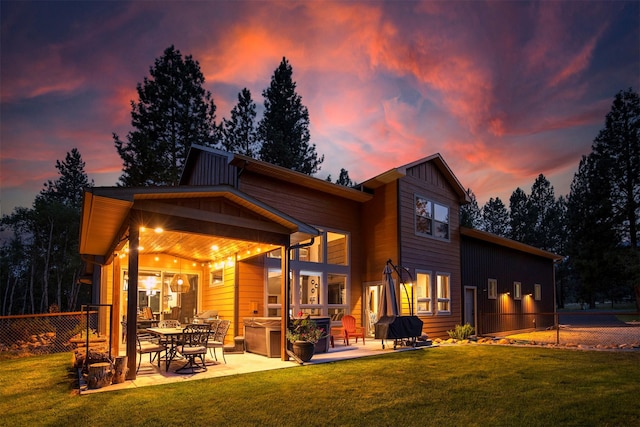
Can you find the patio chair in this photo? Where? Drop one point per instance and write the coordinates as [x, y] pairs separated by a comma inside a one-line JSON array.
[[350, 330], [148, 344], [194, 346], [218, 339]]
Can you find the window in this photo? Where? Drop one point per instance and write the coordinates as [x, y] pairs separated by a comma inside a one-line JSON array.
[[517, 290], [492, 289], [537, 292], [431, 218], [443, 289], [217, 278], [320, 277], [423, 293], [274, 302], [311, 291], [336, 248], [312, 253]]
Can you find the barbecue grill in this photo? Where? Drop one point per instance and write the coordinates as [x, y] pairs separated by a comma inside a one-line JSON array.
[[403, 330]]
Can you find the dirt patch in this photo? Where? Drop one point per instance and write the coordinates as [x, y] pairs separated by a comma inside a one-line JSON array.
[[611, 338]]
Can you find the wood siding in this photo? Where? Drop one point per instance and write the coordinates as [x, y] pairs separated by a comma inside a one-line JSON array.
[[482, 261], [212, 169], [221, 297], [318, 209], [428, 253], [381, 240]]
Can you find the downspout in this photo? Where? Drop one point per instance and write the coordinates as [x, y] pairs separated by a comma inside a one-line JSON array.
[[236, 296]]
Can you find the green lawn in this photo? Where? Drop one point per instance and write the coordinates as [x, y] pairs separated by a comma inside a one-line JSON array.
[[454, 385]]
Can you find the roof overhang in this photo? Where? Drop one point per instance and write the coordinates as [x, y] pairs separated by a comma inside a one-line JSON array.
[[397, 173], [246, 163], [106, 216], [508, 243]]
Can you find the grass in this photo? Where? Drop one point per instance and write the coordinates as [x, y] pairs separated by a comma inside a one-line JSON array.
[[449, 386]]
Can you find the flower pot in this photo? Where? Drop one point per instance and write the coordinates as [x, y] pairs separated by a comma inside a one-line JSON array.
[[303, 350]]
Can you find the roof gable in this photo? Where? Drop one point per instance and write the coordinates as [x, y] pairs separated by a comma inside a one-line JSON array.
[[399, 172]]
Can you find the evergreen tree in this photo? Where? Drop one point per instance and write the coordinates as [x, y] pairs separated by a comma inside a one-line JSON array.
[[173, 111], [519, 218], [47, 270], [542, 211], [239, 133], [616, 151], [616, 157], [470, 215], [284, 128], [343, 179], [495, 218], [589, 218]]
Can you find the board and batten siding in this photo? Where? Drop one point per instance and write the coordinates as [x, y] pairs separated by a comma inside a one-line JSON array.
[[428, 253], [482, 261], [211, 169]]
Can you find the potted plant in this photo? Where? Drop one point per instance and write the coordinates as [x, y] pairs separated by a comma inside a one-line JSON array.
[[303, 334]]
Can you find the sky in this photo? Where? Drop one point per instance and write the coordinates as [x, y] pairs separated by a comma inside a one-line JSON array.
[[503, 90]]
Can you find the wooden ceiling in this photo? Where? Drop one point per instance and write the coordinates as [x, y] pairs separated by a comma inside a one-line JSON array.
[[198, 247]]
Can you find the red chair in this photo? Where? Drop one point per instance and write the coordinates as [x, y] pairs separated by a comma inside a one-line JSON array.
[[350, 330]]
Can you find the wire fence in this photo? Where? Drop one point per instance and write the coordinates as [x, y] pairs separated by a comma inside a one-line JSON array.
[[36, 334], [583, 329]]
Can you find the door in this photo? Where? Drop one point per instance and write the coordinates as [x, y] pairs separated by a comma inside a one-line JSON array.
[[470, 306], [372, 298]]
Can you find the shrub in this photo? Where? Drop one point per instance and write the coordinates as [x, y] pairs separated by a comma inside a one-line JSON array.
[[461, 332]]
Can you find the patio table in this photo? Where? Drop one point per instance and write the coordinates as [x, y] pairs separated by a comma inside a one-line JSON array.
[[172, 337]]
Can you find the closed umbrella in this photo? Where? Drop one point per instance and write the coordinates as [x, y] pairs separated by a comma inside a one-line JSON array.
[[388, 303]]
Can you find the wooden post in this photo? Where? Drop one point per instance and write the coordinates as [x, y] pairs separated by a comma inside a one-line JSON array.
[[99, 375], [119, 370]]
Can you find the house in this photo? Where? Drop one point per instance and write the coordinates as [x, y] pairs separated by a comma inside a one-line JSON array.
[[513, 283], [221, 240]]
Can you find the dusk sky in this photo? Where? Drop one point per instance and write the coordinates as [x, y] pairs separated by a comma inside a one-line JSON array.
[[504, 90]]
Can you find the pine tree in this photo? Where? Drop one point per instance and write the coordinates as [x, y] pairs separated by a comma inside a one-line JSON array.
[[591, 239], [47, 235], [239, 133], [284, 128], [542, 211], [343, 179], [616, 158], [470, 215], [495, 218], [173, 111], [519, 219]]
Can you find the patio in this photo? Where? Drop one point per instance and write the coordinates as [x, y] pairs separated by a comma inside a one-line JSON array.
[[244, 363]]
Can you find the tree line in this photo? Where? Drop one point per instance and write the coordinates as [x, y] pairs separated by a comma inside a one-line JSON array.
[[595, 226]]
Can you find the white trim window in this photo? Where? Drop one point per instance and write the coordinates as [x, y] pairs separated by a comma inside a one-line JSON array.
[[517, 290], [492, 289], [537, 292], [443, 292], [424, 303], [431, 218]]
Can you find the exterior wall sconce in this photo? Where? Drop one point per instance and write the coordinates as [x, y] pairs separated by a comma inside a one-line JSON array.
[[254, 307]]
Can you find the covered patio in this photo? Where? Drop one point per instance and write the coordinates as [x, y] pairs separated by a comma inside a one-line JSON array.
[[145, 239], [244, 363]]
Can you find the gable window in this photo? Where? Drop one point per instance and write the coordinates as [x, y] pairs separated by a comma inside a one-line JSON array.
[[423, 293], [431, 218], [537, 292], [517, 290], [492, 289], [443, 291]]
